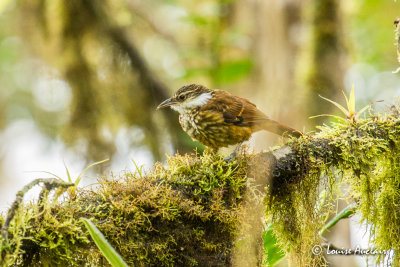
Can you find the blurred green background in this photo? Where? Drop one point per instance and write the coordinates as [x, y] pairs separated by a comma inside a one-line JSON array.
[[80, 79]]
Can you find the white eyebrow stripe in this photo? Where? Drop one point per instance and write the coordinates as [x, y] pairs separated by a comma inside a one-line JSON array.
[[196, 102], [192, 103]]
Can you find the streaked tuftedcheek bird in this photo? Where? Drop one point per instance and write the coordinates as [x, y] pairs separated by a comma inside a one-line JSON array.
[[218, 119]]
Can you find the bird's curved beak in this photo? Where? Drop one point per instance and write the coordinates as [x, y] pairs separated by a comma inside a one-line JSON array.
[[166, 103]]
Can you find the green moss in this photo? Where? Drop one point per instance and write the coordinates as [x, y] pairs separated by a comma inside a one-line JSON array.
[[365, 156], [292, 205], [182, 213], [187, 212]]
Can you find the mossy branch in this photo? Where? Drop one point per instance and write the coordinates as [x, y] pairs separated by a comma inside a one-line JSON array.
[[192, 210], [363, 156], [50, 183]]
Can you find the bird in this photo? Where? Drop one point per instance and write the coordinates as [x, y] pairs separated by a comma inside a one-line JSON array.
[[217, 119]]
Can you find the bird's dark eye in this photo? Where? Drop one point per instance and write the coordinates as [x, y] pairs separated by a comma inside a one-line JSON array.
[[181, 97]]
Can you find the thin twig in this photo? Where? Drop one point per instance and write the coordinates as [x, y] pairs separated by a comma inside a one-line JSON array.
[[50, 183], [156, 91]]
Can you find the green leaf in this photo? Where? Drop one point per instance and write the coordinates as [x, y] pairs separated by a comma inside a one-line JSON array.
[[138, 170], [337, 105], [345, 97], [273, 252], [68, 174], [328, 115], [108, 251], [362, 111], [345, 213], [87, 168], [351, 105]]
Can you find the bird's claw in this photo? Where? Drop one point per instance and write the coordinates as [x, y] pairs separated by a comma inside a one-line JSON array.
[[232, 155], [229, 159]]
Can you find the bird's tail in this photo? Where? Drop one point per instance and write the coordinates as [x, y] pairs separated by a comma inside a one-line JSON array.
[[280, 129]]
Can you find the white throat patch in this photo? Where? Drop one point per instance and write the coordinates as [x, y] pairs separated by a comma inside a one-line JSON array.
[[192, 103]]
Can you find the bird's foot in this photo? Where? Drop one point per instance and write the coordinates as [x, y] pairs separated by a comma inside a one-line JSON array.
[[230, 158], [233, 154]]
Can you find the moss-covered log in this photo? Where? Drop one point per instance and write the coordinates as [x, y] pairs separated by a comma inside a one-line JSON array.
[[202, 211], [185, 214]]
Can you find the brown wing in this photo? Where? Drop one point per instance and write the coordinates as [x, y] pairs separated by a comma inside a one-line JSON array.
[[236, 110]]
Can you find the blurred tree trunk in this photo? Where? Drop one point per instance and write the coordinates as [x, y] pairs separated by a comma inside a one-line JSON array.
[[278, 37], [327, 68], [327, 58], [276, 42], [111, 83]]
